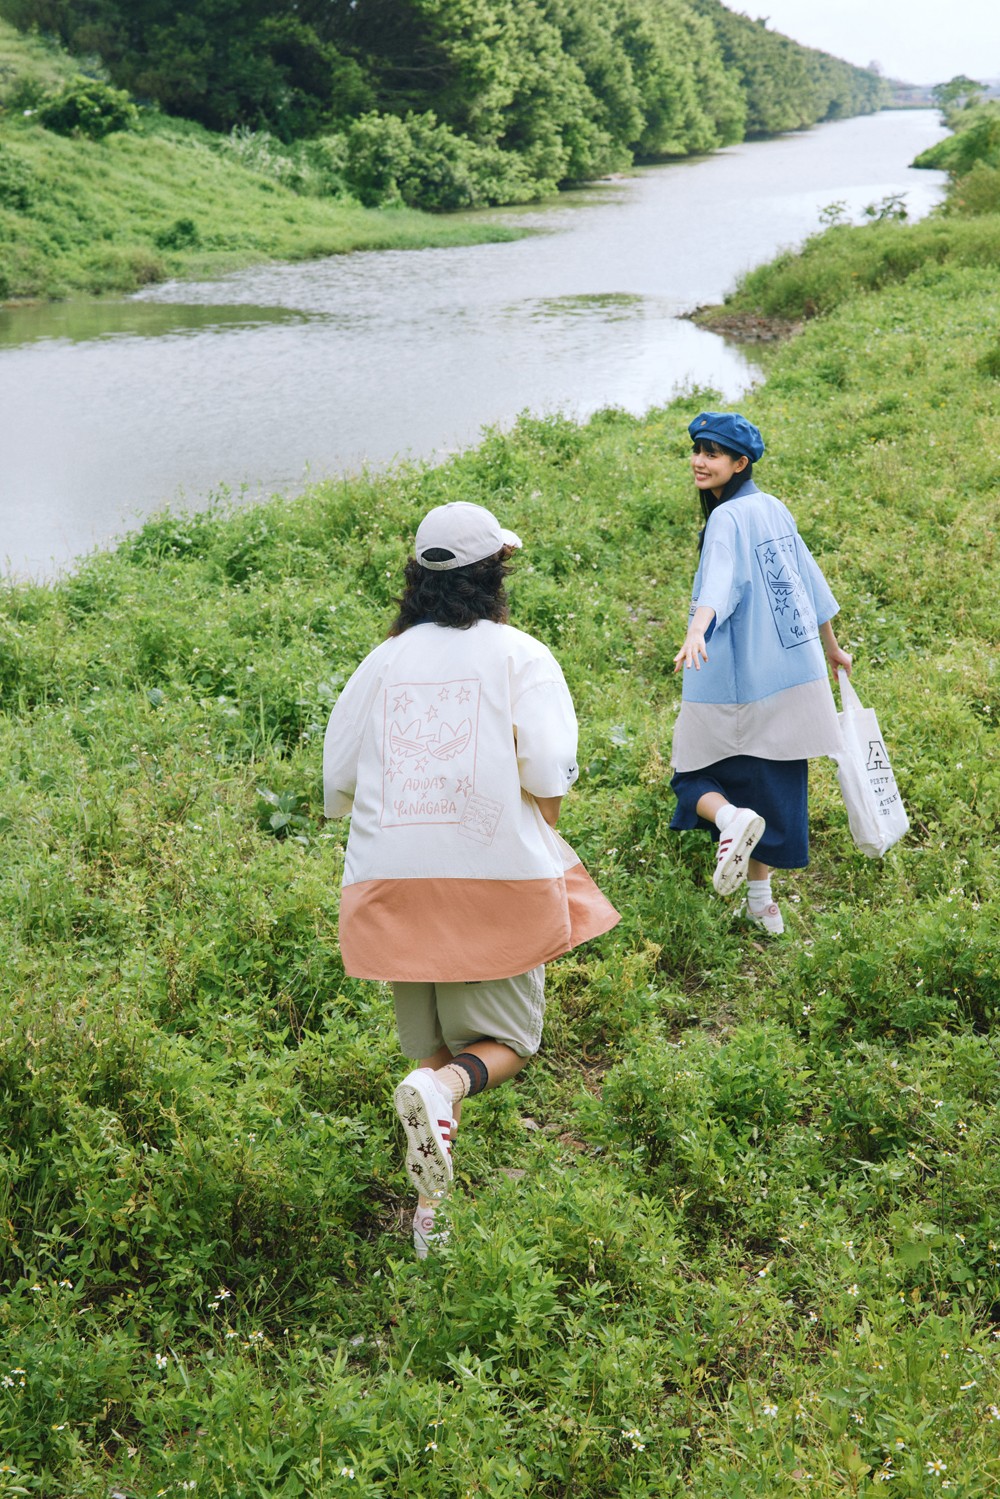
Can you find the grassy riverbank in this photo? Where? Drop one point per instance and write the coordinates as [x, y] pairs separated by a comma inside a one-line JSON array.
[[118, 214], [167, 199], [735, 1232]]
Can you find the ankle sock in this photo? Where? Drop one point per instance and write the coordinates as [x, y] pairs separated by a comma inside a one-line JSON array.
[[759, 895], [454, 1081], [725, 815]]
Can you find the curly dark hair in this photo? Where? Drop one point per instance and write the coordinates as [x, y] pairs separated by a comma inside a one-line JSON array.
[[456, 597]]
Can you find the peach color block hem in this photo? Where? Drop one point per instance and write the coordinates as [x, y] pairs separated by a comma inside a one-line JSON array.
[[458, 931]]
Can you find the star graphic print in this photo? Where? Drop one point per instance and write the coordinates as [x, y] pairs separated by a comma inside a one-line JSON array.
[[429, 745]]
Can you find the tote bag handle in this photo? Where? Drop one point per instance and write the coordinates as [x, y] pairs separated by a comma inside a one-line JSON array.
[[848, 697]]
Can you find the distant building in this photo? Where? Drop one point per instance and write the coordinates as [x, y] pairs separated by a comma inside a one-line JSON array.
[[921, 95], [911, 95]]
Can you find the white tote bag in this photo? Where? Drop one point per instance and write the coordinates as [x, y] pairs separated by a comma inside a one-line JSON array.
[[875, 809]]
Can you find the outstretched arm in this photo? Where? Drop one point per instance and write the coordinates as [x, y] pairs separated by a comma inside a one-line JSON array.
[[694, 641]]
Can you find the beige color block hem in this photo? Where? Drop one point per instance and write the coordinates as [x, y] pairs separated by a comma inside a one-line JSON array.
[[798, 723]]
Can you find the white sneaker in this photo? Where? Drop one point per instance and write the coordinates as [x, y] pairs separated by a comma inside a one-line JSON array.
[[425, 1236], [736, 843], [769, 918], [424, 1110]]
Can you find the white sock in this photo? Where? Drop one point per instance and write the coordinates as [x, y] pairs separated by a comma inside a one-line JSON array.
[[759, 895], [725, 815]]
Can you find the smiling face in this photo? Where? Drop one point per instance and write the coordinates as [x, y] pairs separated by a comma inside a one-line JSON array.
[[713, 467]]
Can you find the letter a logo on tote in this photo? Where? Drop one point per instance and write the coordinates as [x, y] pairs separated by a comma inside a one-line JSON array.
[[877, 757]]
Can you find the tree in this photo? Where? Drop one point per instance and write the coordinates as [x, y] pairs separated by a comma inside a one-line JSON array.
[[956, 94], [689, 101], [454, 101], [788, 86], [222, 62]]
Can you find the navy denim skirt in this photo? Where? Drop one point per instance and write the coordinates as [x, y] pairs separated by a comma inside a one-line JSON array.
[[777, 789]]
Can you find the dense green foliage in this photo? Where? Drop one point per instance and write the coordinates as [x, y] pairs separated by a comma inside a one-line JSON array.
[[89, 108], [132, 196], [501, 108], [971, 156], [787, 86], [956, 93], [166, 197], [475, 101], [831, 267], [734, 1234]]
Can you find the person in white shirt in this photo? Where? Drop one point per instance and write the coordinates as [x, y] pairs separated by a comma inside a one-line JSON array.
[[451, 747]]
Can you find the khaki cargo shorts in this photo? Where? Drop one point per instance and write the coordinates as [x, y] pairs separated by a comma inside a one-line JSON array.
[[511, 1011]]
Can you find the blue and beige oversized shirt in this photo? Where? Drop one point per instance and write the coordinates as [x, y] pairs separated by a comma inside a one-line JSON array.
[[764, 690]]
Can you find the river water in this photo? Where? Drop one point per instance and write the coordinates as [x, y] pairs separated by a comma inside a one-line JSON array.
[[265, 379]]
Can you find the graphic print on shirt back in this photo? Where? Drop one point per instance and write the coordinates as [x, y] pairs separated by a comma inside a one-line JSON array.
[[430, 735], [791, 608]]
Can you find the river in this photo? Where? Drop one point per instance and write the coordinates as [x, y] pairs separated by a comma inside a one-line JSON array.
[[263, 380]]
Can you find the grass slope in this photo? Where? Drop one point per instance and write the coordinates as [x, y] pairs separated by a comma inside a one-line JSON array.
[[113, 215], [835, 265], [735, 1231]]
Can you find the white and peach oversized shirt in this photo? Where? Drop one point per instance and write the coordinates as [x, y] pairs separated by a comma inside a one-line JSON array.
[[437, 747]]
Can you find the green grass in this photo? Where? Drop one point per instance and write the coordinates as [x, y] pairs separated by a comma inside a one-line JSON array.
[[137, 207], [834, 266], [734, 1234], [28, 59]]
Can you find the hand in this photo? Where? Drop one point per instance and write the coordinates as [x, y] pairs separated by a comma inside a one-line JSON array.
[[837, 657], [693, 647]]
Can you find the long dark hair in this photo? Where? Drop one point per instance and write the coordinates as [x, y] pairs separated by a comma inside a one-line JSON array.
[[457, 597], [710, 501]]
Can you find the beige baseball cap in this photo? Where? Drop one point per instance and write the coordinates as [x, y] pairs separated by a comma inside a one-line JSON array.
[[468, 533]]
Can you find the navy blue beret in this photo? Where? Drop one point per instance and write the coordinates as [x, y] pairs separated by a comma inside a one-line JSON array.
[[731, 430]]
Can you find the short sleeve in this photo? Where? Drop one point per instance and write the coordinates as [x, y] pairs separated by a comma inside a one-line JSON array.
[[716, 586], [545, 732], [343, 740]]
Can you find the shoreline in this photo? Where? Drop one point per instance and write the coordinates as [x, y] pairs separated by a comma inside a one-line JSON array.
[[380, 229], [744, 327]]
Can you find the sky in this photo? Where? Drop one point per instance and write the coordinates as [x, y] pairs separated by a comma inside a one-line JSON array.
[[915, 41]]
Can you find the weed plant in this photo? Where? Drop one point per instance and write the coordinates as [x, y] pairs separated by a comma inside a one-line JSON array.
[[734, 1233]]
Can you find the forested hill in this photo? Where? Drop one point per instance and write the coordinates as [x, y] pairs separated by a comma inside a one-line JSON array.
[[451, 103]]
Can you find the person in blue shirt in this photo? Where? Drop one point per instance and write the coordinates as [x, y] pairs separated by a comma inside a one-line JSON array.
[[757, 701]]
